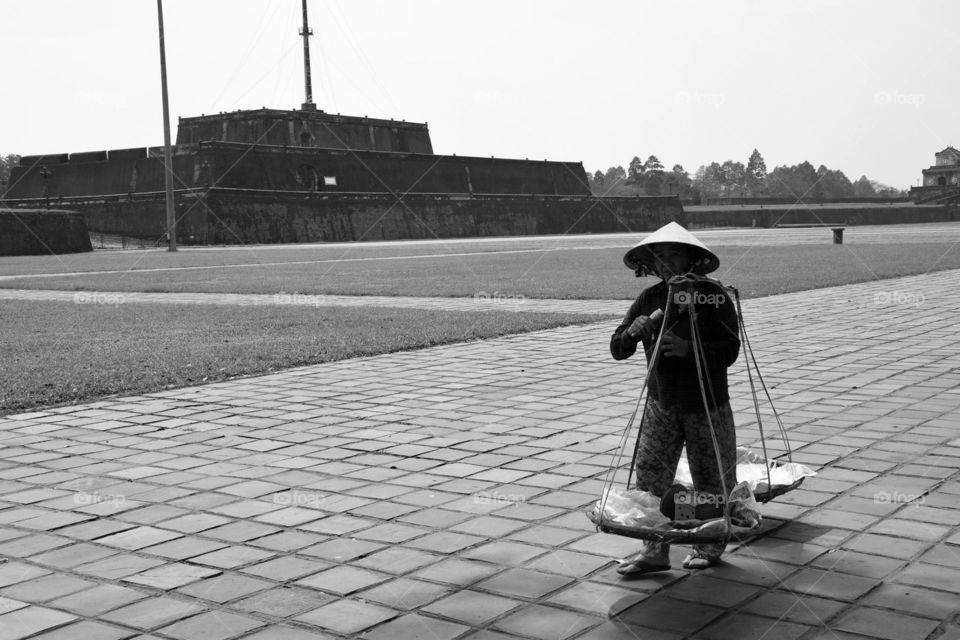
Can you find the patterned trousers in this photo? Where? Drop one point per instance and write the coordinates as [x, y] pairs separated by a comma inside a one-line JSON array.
[[662, 437]]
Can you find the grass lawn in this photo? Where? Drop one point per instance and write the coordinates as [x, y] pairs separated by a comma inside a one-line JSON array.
[[584, 273], [59, 353], [56, 353]]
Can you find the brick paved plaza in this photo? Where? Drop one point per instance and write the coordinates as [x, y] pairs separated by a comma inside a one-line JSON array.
[[438, 494]]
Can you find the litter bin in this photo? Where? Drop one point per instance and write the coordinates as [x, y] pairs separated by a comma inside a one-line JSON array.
[[838, 235]]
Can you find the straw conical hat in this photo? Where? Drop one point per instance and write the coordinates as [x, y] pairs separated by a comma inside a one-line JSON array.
[[640, 256]]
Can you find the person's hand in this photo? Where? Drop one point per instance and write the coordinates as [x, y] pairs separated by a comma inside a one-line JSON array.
[[642, 327], [674, 346]]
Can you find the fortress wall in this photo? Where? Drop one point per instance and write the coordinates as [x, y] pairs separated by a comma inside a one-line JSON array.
[[825, 214], [228, 165], [233, 217], [26, 232]]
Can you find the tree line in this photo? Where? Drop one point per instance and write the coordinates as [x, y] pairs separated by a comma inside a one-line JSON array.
[[732, 179]]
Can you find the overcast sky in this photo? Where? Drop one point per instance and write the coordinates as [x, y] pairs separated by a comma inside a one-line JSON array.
[[868, 87]]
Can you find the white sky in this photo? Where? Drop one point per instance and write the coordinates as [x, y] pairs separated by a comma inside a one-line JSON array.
[[865, 86]]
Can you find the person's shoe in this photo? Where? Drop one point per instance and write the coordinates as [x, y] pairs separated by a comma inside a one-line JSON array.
[[654, 557], [703, 556]]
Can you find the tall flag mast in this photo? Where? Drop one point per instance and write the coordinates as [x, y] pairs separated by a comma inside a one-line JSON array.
[[167, 154], [306, 32]]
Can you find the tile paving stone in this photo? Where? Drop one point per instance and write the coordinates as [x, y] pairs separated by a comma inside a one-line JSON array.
[[546, 535], [457, 571], [343, 580], [279, 632], [405, 593], [138, 538], [233, 557], [548, 623], [341, 549], [667, 614], [827, 584], [184, 548], [152, 613], [286, 568], [914, 600], [617, 630], [792, 607], [347, 616], [283, 602], [240, 531], [504, 552], [288, 541], [32, 544], [118, 566], [599, 599], [225, 587], [860, 564], [888, 625], [711, 591], [471, 607], [932, 576], [211, 625], [87, 630], [444, 542], [744, 626], [339, 525], [889, 546], [7, 605], [171, 576], [25, 622], [568, 563], [398, 560], [46, 588], [942, 554], [16, 572], [416, 627], [98, 599], [523, 583]]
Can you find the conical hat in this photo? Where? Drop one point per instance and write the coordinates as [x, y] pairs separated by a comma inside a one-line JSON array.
[[641, 257]]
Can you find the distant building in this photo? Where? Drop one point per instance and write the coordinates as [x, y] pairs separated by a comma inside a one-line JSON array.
[[941, 182]]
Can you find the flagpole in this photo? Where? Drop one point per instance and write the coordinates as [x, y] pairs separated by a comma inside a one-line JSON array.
[[167, 152]]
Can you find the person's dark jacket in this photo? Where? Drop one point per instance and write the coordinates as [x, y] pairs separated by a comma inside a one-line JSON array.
[[675, 383]]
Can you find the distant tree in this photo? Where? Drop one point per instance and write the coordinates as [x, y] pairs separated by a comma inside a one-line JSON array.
[[653, 176], [732, 176], [598, 178], [792, 182], [756, 174], [863, 188], [832, 184], [653, 165], [614, 175], [706, 181], [7, 163], [678, 181], [635, 170]]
